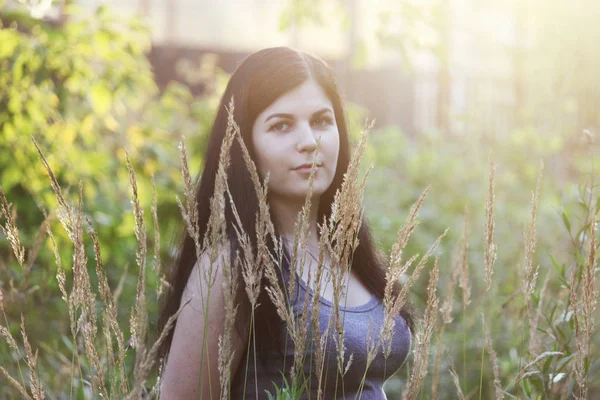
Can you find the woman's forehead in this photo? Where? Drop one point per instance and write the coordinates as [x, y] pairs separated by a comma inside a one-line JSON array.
[[302, 101]]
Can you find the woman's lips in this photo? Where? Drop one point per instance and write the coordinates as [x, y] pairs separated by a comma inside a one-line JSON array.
[[306, 170]]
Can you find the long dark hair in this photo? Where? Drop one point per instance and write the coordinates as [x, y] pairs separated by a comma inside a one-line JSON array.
[[257, 82]]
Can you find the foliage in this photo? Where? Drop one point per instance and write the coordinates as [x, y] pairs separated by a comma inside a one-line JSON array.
[[287, 391], [85, 91], [457, 169]]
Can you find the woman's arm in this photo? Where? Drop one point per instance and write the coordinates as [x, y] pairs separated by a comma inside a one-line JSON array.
[[181, 377]]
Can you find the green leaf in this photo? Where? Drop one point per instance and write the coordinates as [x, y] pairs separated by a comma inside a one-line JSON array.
[[270, 396], [559, 268], [546, 366], [100, 98], [566, 222], [595, 366], [538, 382], [8, 43], [564, 362]]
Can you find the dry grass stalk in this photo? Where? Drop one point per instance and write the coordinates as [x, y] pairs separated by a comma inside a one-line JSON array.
[[155, 392], [111, 360], [37, 389], [10, 340], [5, 333], [319, 339], [251, 271], [109, 315], [392, 311], [210, 246], [215, 243], [337, 321], [439, 351], [580, 337], [535, 344], [16, 384], [270, 265], [65, 211], [217, 240], [423, 339], [150, 356], [81, 295], [216, 228], [261, 189], [446, 308], [590, 291], [189, 215], [301, 229], [189, 211], [301, 333], [10, 230], [84, 298], [494, 362], [395, 268], [40, 237], [344, 224], [372, 348], [62, 278], [340, 243], [542, 357], [456, 381], [407, 229], [524, 373], [89, 335], [156, 262], [490, 249], [531, 273], [464, 282], [347, 206], [138, 317], [230, 288]]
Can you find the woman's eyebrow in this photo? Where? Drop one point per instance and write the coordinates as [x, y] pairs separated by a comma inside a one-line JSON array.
[[281, 115], [291, 116], [322, 111]]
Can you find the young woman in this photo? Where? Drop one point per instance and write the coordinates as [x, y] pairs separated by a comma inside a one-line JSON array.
[[285, 101]]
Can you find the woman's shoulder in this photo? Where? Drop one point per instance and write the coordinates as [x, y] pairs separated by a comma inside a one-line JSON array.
[[207, 273]]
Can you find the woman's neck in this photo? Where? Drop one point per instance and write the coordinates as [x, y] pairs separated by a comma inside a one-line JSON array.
[[287, 213]]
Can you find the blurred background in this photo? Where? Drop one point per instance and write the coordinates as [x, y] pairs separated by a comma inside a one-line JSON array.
[[448, 82]]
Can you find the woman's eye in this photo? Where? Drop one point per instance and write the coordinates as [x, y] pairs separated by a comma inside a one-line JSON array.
[[322, 122], [279, 126]]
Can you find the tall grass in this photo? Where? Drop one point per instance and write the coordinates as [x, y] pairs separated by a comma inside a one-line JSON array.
[[556, 347]]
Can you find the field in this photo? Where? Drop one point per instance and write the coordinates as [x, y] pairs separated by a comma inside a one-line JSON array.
[[492, 238]]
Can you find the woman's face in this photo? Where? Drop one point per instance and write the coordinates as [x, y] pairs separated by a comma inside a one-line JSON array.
[[285, 137]]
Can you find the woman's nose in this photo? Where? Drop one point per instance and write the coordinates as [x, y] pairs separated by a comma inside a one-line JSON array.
[[307, 140]]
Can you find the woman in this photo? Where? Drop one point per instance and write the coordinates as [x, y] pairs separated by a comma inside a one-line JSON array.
[[285, 102]]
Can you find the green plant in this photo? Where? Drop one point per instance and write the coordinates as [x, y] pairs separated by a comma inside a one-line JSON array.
[[286, 392]]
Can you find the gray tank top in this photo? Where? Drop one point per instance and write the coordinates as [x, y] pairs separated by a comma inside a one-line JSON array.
[[356, 325]]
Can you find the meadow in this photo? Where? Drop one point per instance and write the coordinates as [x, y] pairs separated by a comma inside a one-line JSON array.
[[493, 240]]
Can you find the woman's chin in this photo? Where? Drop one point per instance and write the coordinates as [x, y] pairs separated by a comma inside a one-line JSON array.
[[300, 195]]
